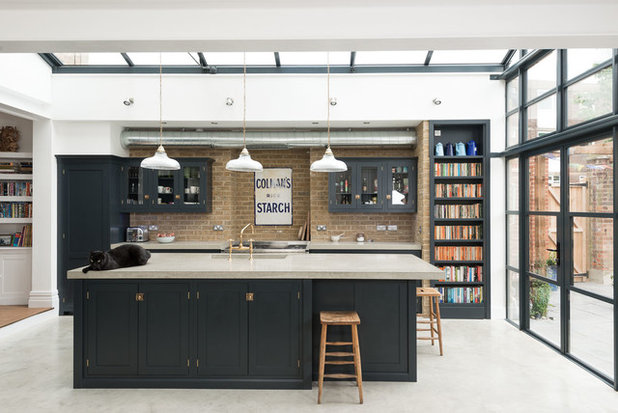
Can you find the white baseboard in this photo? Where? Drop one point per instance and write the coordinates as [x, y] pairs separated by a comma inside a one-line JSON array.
[[43, 299]]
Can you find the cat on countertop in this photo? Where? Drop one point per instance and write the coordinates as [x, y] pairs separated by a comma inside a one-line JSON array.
[[128, 255]]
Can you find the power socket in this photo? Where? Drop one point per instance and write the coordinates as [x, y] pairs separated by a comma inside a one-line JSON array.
[[321, 227], [392, 228], [217, 228], [380, 227]]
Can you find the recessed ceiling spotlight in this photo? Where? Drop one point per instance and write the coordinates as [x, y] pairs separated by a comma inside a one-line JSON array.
[[129, 102], [214, 123], [366, 123], [437, 101], [229, 101]]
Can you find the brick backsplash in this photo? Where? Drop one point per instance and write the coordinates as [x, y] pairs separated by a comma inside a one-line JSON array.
[[232, 203]]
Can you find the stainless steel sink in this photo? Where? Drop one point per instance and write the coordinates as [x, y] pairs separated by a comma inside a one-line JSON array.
[[272, 247], [256, 256]]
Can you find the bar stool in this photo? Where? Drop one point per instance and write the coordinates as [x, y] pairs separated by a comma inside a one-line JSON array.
[[435, 326], [340, 318]]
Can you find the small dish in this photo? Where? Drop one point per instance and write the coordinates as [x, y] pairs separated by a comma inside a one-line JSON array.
[[336, 238], [166, 238]]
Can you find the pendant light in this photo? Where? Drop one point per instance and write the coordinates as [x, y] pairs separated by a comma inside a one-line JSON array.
[[244, 163], [328, 163], [160, 160]]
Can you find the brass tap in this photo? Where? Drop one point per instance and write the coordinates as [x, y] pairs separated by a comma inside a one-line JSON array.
[[240, 246]]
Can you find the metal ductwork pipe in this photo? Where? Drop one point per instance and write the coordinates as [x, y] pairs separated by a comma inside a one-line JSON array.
[[268, 139]]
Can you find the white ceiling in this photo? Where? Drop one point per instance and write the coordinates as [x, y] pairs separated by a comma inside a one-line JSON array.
[[294, 25]]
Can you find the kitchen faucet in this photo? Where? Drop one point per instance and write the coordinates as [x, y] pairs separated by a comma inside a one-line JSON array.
[[241, 247]]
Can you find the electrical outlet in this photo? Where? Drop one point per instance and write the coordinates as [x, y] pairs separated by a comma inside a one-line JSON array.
[[380, 227], [392, 227], [217, 228], [321, 227], [437, 132]]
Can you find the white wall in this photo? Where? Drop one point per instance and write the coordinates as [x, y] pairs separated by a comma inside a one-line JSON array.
[[25, 85], [87, 138]]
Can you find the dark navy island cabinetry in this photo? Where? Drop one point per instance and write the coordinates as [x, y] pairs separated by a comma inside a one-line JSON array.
[[185, 190], [374, 185], [234, 333]]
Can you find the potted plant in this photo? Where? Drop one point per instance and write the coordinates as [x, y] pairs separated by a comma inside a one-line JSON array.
[[539, 298]]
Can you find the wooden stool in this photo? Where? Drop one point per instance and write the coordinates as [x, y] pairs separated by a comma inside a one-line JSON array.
[[434, 317], [340, 318]]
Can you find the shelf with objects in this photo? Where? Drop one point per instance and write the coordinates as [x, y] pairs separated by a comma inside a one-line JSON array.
[[459, 239]]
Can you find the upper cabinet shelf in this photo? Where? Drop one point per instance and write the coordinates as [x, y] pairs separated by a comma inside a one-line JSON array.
[[185, 190], [374, 185]]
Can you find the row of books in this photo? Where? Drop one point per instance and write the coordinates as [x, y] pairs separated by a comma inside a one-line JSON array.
[[466, 273], [16, 188], [458, 232], [15, 210], [459, 210], [23, 238], [461, 295], [458, 253], [458, 169], [459, 190], [24, 167]]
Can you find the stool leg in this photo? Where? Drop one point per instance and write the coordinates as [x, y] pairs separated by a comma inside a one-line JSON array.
[[322, 360], [357, 362], [431, 320], [439, 324]]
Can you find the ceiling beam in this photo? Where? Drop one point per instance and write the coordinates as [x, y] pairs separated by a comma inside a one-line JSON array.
[[508, 56], [352, 58], [428, 57], [203, 62], [277, 59], [127, 59]]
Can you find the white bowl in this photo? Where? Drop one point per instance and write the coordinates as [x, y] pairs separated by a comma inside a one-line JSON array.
[[165, 240], [335, 238]]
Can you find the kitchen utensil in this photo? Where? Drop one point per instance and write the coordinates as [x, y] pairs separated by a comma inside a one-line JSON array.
[[336, 238], [460, 149], [439, 149], [471, 148]]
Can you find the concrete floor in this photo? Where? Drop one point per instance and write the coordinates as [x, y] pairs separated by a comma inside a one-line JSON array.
[[489, 366]]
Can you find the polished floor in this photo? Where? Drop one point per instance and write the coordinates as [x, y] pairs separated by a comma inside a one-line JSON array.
[[489, 366], [10, 314]]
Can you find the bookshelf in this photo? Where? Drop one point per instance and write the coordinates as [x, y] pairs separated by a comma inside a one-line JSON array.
[[459, 218], [16, 199]]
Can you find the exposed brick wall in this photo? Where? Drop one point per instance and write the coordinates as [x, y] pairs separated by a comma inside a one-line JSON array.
[[233, 199]]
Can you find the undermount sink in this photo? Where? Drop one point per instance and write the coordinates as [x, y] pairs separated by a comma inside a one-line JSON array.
[[258, 256], [272, 246]]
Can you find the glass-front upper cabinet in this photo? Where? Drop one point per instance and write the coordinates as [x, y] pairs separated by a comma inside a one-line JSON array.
[[401, 185], [374, 185], [184, 190]]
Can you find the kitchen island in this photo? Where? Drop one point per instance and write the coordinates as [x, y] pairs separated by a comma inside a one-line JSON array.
[[201, 321]]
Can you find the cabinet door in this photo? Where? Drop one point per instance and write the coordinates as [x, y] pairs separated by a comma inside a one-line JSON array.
[[222, 328], [369, 185], [274, 329], [133, 186], [400, 185], [111, 328], [341, 194], [192, 186], [166, 186], [83, 203], [164, 329]]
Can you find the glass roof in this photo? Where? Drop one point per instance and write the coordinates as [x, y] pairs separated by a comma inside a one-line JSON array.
[[292, 62]]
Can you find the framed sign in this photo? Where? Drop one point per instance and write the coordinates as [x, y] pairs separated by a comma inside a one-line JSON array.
[[273, 196]]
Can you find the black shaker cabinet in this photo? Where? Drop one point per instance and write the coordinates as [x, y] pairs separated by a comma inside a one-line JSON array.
[[374, 185], [185, 190]]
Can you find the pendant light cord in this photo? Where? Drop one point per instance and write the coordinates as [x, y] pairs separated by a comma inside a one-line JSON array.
[[160, 98], [244, 99], [328, 97]]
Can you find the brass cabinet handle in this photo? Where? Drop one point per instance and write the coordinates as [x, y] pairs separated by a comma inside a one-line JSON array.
[[388, 197], [177, 197], [357, 196], [139, 296], [146, 196], [249, 297]]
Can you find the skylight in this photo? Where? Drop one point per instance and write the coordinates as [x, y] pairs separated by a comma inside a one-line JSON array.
[[314, 58], [80, 59], [468, 56], [173, 59], [235, 58], [416, 57]]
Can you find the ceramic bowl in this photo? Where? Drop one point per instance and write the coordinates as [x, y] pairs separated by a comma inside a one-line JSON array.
[[166, 240]]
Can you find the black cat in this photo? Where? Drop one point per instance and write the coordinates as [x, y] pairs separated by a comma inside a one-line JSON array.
[[128, 255]]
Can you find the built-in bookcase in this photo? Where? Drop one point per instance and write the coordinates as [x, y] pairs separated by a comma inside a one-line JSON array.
[[459, 202]]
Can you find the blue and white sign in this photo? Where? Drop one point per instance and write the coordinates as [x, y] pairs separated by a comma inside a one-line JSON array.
[[273, 196]]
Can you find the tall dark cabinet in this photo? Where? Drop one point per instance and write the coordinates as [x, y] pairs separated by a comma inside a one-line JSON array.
[[89, 217], [459, 217]]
